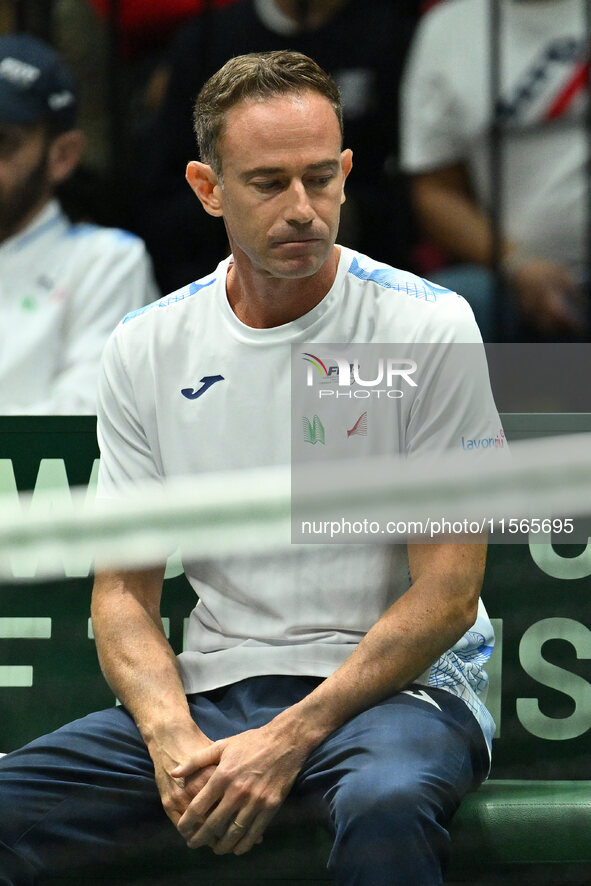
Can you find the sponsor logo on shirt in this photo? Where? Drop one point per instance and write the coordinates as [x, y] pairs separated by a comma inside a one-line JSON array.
[[497, 442], [360, 426], [206, 382], [313, 431]]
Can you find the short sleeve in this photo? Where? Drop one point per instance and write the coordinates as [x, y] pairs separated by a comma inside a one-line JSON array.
[[126, 456], [454, 409]]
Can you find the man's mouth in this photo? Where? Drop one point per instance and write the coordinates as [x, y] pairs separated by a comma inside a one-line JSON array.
[[295, 241]]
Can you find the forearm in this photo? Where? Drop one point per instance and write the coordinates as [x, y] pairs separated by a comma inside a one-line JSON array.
[[135, 656], [451, 218], [419, 627]]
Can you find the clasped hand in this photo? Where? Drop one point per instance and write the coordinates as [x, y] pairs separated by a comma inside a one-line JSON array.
[[251, 775]]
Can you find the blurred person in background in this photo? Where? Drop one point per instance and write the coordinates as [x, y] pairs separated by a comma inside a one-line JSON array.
[[112, 51], [446, 142], [362, 45], [144, 24], [63, 287]]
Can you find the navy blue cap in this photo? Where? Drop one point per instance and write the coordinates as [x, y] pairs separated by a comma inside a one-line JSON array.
[[35, 84]]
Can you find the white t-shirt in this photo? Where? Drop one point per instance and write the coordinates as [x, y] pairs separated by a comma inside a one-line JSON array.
[[63, 289], [447, 116], [304, 611]]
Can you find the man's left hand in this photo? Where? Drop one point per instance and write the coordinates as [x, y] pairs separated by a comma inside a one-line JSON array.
[[255, 772]]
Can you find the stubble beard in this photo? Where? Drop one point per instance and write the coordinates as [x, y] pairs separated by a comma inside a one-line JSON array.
[[17, 205]]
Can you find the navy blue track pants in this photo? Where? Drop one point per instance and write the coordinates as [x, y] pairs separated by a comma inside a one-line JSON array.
[[386, 785]]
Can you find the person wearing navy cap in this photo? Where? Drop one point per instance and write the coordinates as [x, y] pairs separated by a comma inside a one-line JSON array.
[[63, 287], [35, 84]]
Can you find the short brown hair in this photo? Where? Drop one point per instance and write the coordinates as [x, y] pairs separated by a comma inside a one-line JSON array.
[[256, 75]]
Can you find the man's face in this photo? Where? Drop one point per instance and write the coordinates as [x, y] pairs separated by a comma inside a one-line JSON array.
[[283, 176], [24, 178]]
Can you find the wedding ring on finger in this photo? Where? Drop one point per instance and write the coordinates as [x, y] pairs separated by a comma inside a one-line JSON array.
[[237, 824]]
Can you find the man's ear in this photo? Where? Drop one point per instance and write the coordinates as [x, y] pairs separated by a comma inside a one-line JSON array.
[[206, 185], [65, 152], [346, 167]]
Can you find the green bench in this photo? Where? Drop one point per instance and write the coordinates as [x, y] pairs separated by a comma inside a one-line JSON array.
[[505, 825]]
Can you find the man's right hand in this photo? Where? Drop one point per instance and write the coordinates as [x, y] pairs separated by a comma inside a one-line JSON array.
[[177, 793], [142, 670]]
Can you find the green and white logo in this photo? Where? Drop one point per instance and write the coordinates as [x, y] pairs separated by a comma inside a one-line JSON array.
[[313, 430]]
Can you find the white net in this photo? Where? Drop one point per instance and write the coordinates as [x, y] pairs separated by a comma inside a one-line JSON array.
[[250, 512]]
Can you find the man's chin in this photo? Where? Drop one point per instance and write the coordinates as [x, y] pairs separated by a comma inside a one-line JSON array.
[[293, 261]]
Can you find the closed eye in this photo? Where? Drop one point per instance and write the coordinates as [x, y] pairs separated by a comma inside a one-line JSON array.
[[270, 186], [321, 181], [266, 187]]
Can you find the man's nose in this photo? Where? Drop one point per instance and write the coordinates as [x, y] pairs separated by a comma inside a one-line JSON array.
[[299, 209]]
